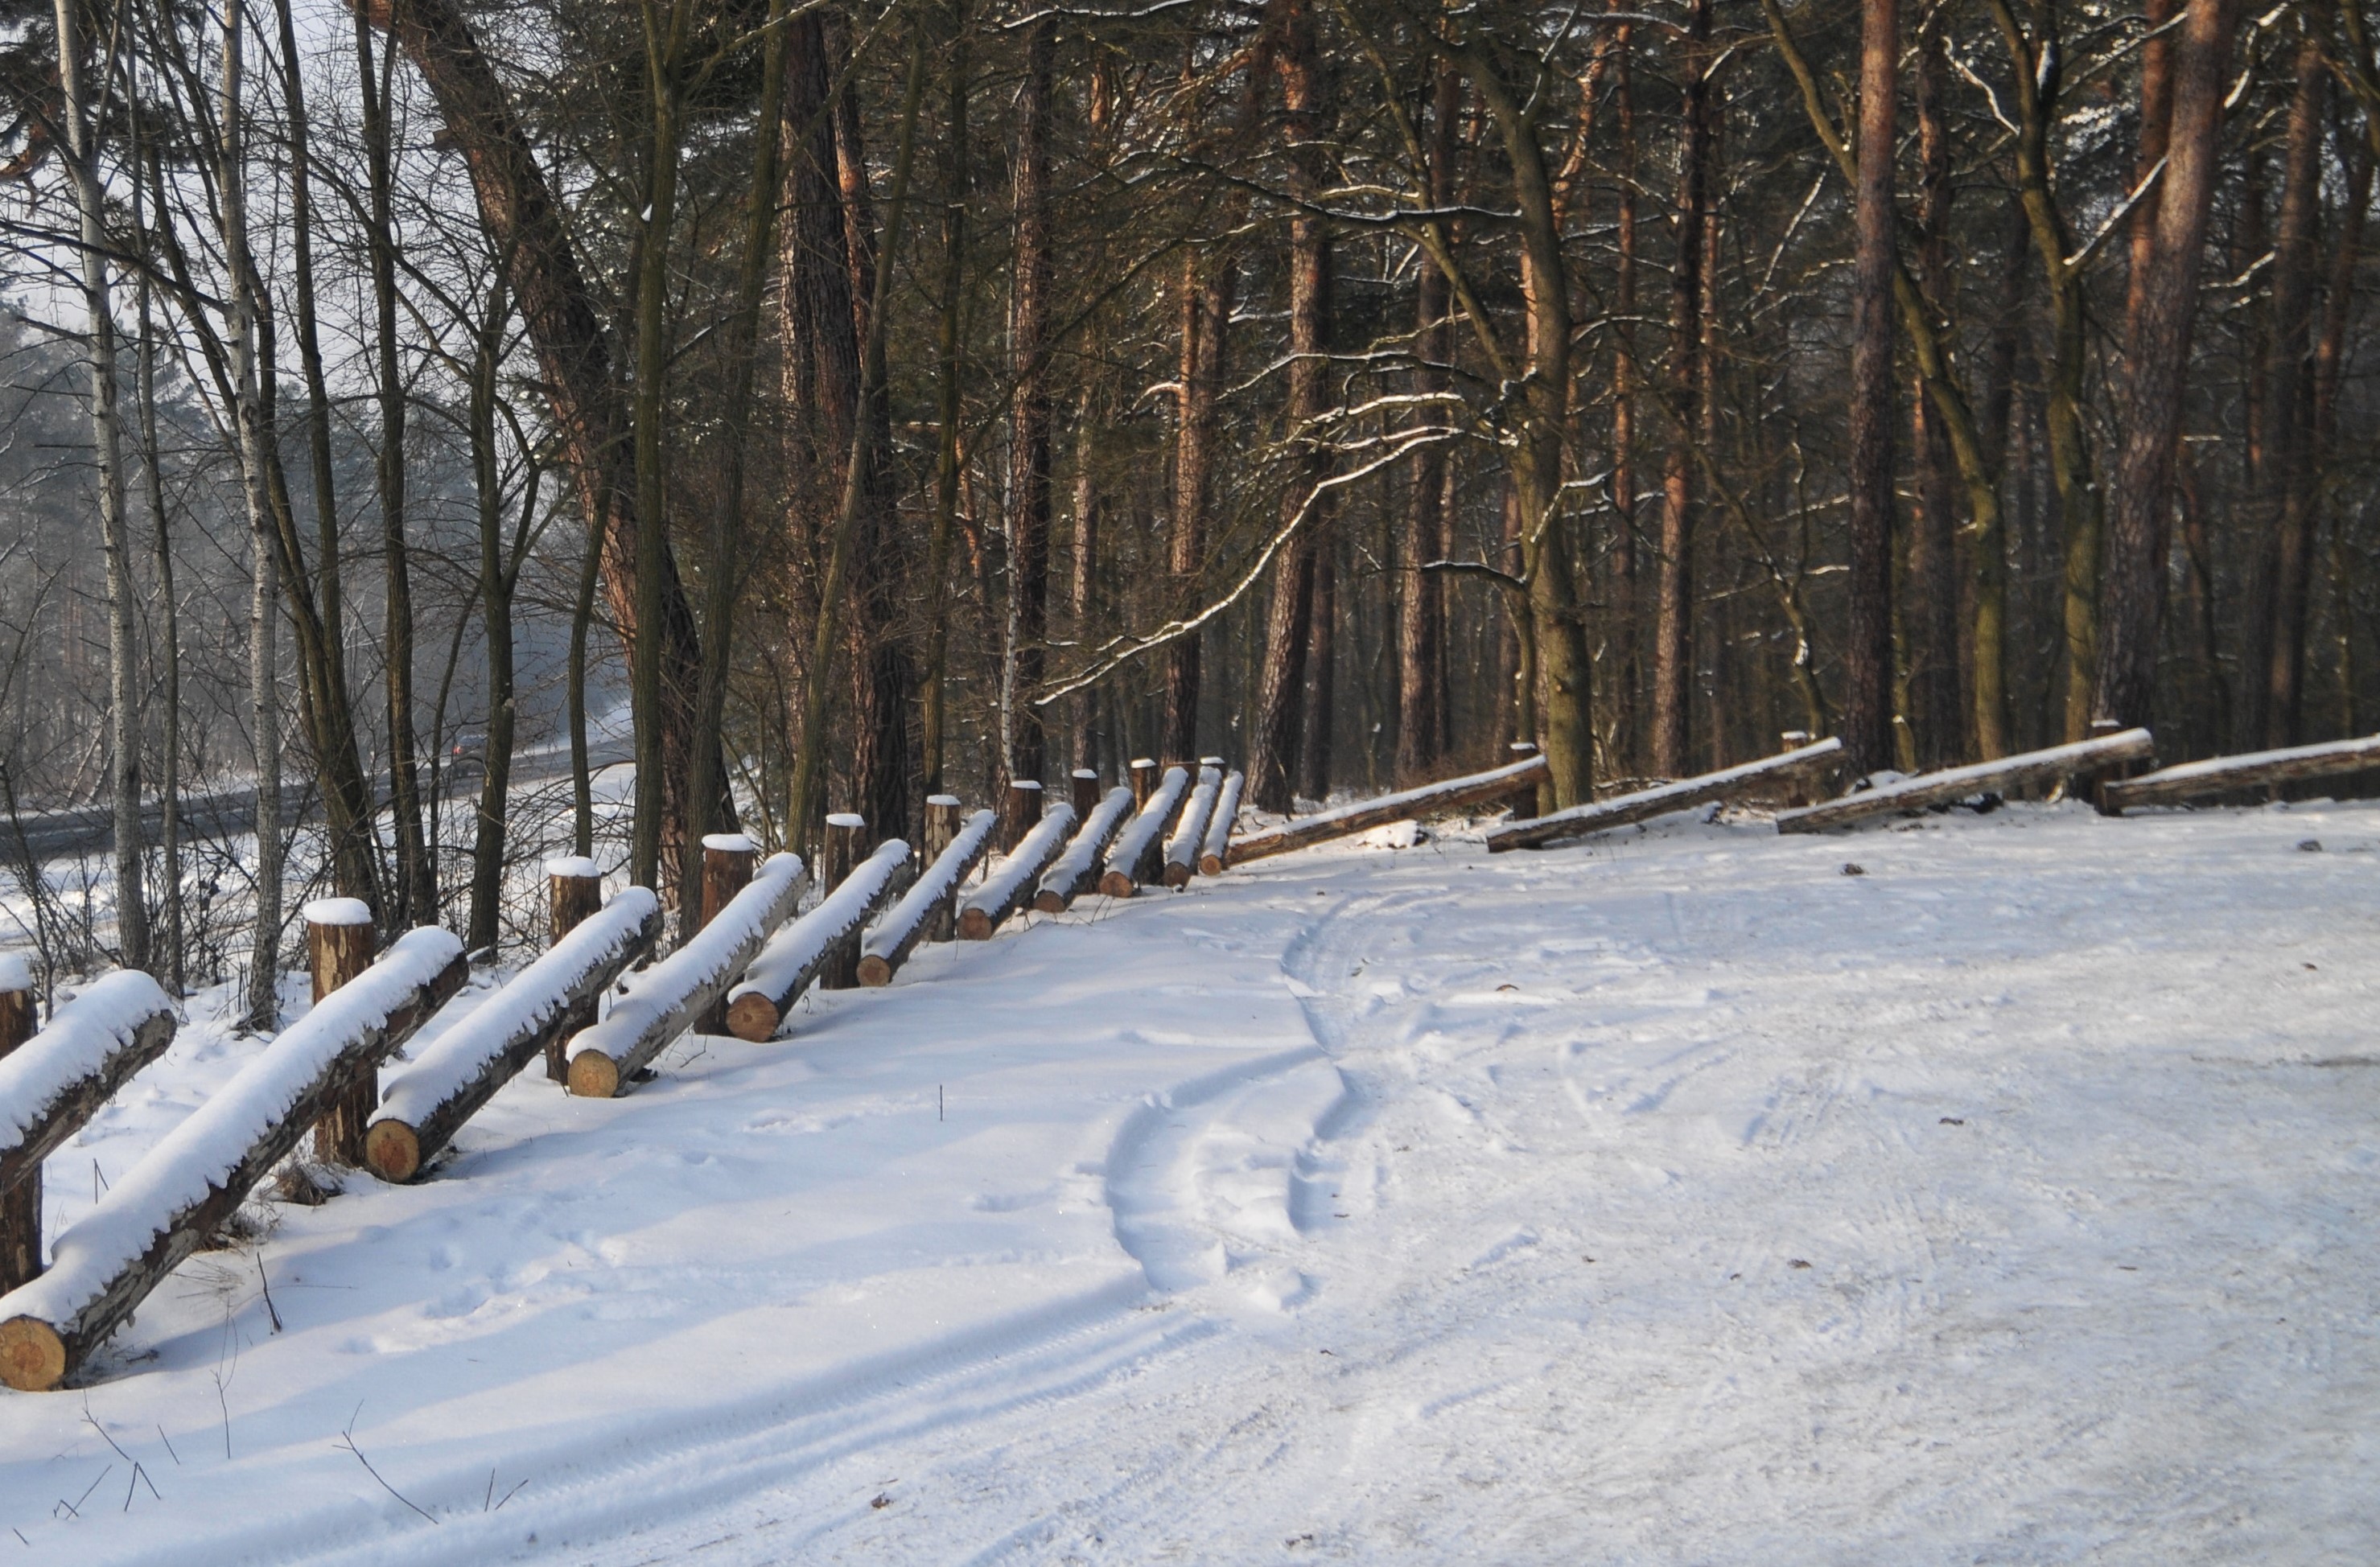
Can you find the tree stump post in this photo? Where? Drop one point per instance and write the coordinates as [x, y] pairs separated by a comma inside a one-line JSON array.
[[574, 890], [1144, 779], [339, 947], [2095, 782], [21, 1209], [845, 849], [1086, 787], [1018, 813], [1522, 801], [1797, 792], [941, 826], [727, 859]]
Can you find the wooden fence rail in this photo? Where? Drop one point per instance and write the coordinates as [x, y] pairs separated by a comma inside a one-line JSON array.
[[1190, 831], [1454, 793], [1139, 851], [1624, 811], [1962, 783], [1077, 870], [1012, 880], [888, 946], [805, 951], [2254, 770], [1215, 854]]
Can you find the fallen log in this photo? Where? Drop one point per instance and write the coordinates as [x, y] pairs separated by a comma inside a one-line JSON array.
[[2253, 770], [1624, 811], [1349, 819], [1077, 870], [164, 1207], [805, 951], [664, 1000], [1190, 832], [888, 946], [426, 1102], [1962, 782], [54, 1083], [1215, 855], [1005, 891], [1138, 854]]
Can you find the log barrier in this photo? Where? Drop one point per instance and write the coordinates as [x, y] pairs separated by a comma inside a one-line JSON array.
[[888, 946], [573, 892], [1960, 782], [1453, 793], [941, 827], [339, 947], [1215, 854], [1190, 832], [2251, 770], [1076, 872], [809, 948], [1624, 811], [1139, 851], [1012, 880]]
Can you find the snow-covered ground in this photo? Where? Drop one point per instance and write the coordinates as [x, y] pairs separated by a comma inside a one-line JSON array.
[[1676, 1198]]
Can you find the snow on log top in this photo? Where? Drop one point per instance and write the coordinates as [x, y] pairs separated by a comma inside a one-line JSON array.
[[16, 973], [338, 911], [730, 843], [575, 866], [75, 1047], [177, 1173]]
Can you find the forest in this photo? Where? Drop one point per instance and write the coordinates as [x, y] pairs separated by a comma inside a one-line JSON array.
[[875, 398]]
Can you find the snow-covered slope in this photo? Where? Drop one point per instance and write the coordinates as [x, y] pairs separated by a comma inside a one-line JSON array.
[[1677, 1197]]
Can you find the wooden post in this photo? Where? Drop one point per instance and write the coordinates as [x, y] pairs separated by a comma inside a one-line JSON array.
[[1087, 792], [1522, 801], [339, 947], [843, 852], [2096, 781], [574, 890], [941, 826], [1144, 779], [21, 1210], [726, 871], [1797, 791], [1023, 808]]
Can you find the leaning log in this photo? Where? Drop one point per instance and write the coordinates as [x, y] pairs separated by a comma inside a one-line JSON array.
[[1216, 853], [54, 1083], [1139, 852], [426, 1104], [1077, 870], [1965, 783], [667, 999], [806, 950], [1454, 793], [1012, 879], [2253, 770], [898, 934], [1625, 810], [1190, 832], [165, 1207]]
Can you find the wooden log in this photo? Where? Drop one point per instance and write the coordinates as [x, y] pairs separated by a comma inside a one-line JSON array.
[[1190, 832], [1139, 851], [727, 860], [428, 1101], [1005, 891], [1215, 854], [181, 1192], [339, 947], [1522, 801], [888, 946], [2251, 769], [20, 1206], [1453, 793], [1076, 870], [1144, 779], [799, 954], [574, 890], [54, 1083], [1962, 782], [847, 846], [1797, 790], [1624, 811], [663, 1002], [1021, 810], [941, 828], [1085, 798]]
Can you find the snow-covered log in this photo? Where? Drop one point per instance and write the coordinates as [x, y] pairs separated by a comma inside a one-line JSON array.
[[56, 1080], [1955, 784], [1012, 878], [1190, 832], [801, 953], [1624, 810], [1138, 854], [425, 1103], [1216, 853], [666, 1000], [164, 1207], [898, 934], [1077, 870], [2253, 770], [1363, 815]]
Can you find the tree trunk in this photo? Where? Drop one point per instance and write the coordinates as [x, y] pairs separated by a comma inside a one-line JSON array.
[[1207, 284], [1627, 638], [934, 742], [168, 637], [1322, 676], [1673, 634], [1867, 653], [1422, 718], [1936, 717], [1028, 406], [496, 618], [2157, 355]]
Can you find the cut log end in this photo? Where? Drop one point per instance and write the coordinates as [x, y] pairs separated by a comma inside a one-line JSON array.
[[392, 1151], [1116, 884], [874, 971], [594, 1076], [1210, 865], [32, 1356], [752, 1018], [1045, 902], [974, 925], [1177, 873]]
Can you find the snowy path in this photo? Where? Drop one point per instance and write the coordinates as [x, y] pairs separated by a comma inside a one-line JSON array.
[[1674, 1199]]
